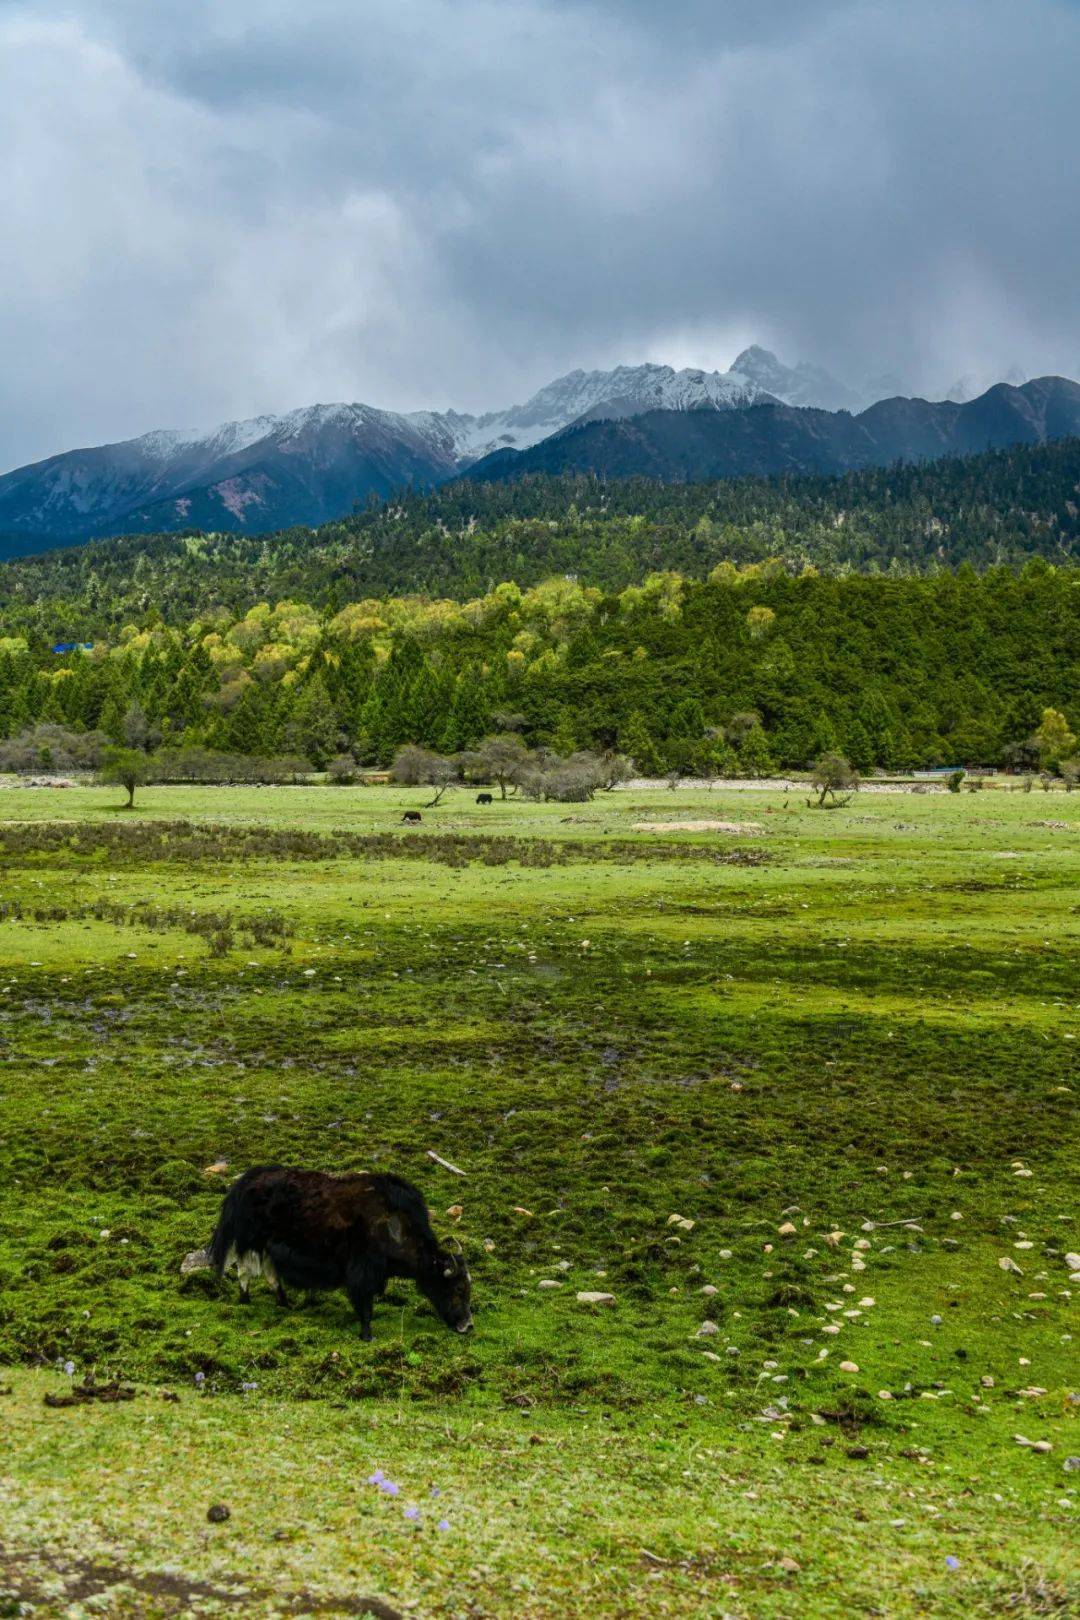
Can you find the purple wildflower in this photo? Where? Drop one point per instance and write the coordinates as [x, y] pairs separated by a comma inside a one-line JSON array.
[[388, 1487], [951, 1562], [69, 1368], [376, 1478], [435, 1491], [412, 1511], [444, 1524], [200, 1378], [249, 1386]]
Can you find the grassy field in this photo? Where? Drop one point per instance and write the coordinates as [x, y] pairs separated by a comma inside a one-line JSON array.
[[842, 1045]]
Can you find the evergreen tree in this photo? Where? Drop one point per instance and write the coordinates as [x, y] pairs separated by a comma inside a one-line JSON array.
[[313, 728], [636, 741], [754, 756]]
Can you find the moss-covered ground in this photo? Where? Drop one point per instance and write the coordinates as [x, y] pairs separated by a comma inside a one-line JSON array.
[[797, 1038]]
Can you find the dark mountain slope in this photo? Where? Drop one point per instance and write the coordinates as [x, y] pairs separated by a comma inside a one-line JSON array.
[[766, 439]]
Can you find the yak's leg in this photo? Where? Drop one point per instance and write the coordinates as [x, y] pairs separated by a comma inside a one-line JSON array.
[[249, 1265], [362, 1284], [269, 1271], [363, 1305]]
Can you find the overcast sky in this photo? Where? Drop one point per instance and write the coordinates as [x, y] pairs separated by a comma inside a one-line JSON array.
[[214, 209]]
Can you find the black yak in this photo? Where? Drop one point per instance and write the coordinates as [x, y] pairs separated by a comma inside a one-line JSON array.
[[412, 816], [308, 1229], [483, 798]]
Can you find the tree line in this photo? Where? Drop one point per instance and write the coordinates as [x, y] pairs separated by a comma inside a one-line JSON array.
[[1002, 507], [748, 671]]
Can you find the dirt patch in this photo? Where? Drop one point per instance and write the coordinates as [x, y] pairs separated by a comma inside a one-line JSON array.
[[749, 829], [87, 1391], [32, 1578]]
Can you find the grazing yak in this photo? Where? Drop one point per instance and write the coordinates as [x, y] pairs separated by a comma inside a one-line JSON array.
[[483, 798], [308, 1229], [412, 815]]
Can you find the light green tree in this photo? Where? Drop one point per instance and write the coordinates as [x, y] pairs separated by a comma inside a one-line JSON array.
[[1054, 740]]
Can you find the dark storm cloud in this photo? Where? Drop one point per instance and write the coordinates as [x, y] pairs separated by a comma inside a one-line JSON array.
[[216, 210]]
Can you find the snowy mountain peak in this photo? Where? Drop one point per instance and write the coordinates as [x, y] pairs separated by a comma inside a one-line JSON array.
[[802, 384], [315, 462]]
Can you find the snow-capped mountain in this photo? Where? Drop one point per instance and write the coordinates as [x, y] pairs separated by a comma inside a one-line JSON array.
[[625, 391], [796, 385], [315, 464], [305, 467], [675, 446]]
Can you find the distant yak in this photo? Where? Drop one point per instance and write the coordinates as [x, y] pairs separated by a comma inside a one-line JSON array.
[[412, 815], [308, 1229], [483, 798]]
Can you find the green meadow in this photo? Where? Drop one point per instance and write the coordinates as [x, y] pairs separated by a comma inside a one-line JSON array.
[[800, 1095]]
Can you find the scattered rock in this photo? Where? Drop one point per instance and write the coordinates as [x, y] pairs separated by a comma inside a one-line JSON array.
[[549, 1282], [706, 1330], [788, 1230], [455, 1212], [1007, 1263], [790, 1566], [849, 1366], [709, 1290], [590, 1297], [197, 1260], [681, 1222], [218, 1513], [1071, 1465]]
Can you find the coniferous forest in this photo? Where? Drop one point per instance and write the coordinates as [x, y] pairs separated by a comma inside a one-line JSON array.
[[911, 617]]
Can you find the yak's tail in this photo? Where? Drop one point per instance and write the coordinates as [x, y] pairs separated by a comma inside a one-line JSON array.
[[223, 1241], [234, 1234]]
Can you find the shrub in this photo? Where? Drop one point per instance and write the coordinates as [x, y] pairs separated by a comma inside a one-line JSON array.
[[342, 770], [52, 748]]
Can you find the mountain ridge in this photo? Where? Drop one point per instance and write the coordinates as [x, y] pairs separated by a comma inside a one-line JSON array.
[[319, 462], [770, 438]]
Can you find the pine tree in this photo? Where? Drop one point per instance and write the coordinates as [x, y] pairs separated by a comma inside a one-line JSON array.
[[636, 741], [754, 756], [313, 728], [469, 718]]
